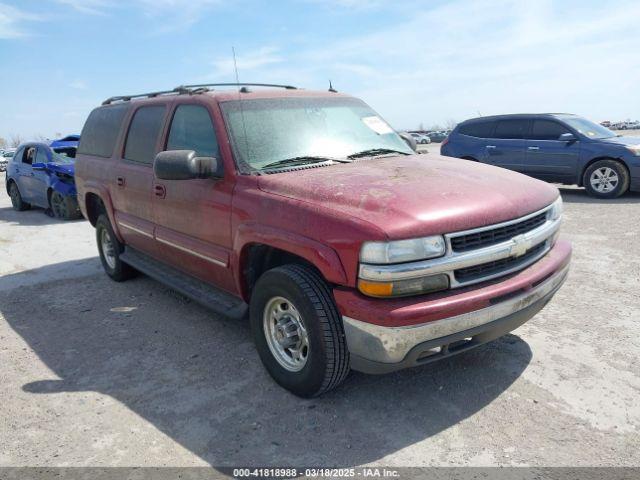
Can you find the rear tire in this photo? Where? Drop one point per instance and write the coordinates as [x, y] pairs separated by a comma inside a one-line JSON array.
[[298, 331], [16, 199], [606, 179], [110, 249], [64, 207]]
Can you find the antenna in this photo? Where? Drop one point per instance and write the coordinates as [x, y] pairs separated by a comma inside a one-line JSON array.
[[244, 125], [331, 89]]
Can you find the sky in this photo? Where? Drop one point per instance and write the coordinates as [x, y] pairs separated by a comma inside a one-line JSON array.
[[415, 62]]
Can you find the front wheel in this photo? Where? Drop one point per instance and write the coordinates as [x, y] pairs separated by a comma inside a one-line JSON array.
[[16, 199], [606, 179], [110, 249], [64, 207], [298, 331]]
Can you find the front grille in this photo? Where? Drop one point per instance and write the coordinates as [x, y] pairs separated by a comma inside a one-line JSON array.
[[486, 238], [497, 266]]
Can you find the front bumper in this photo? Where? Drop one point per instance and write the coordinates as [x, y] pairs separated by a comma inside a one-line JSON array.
[[380, 349]]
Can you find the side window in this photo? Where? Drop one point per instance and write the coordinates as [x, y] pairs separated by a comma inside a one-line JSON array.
[[41, 156], [29, 155], [101, 130], [477, 129], [547, 130], [143, 134], [192, 129], [510, 129]]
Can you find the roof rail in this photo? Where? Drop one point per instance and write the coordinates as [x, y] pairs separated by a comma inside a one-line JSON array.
[[241, 84], [126, 98], [191, 89]]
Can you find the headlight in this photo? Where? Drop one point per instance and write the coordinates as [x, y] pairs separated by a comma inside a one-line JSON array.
[[635, 149], [402, 250], [555, 212]]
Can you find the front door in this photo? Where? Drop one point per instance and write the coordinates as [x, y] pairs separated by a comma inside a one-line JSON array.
[[507, 147], [193, 217], [39, 179], [549, 158], [133, 178]]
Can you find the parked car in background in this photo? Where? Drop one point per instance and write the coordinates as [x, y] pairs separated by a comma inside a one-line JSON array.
[[308, 210], [606, 124], [437, 137], [5, 156], [67, 145], [38, 176], [561, 148], [420, 138]]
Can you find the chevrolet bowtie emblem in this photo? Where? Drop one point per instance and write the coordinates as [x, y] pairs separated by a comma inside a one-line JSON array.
[[520, 245]]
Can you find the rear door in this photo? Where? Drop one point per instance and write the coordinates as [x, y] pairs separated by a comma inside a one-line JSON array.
[[506, 148], [193, 217], [548, 158], [133, 177]]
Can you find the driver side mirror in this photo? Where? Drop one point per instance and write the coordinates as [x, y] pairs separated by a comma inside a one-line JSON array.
[[185, 165], [38, 166], [567, 137], [409, 140]]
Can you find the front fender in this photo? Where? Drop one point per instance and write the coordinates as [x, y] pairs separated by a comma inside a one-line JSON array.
[[63, 188], [324, 258]]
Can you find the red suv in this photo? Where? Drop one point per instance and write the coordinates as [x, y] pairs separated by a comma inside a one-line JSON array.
[[310, 212]]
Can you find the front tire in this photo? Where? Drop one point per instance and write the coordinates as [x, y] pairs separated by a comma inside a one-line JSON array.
[[110, 249], [606, 179], [64, 207], [298, 331], [16, 199]]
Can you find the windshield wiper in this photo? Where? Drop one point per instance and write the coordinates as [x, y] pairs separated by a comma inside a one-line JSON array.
[[302, 160], [372, 152]]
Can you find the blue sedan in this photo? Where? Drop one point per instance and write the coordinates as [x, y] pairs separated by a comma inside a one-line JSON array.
[[38, 176]]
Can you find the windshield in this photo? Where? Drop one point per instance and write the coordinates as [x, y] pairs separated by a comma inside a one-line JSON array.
[[588, 128], [265, 131], [61, 158]]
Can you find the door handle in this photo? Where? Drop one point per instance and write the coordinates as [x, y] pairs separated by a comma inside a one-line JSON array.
[[160, 191], [120, 181], [533, 148], [491, 146]]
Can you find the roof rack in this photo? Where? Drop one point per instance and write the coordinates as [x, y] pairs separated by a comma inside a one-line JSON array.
[[191, 90], [241, 84]]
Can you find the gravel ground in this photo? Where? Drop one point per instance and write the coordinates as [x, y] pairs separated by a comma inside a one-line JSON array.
[[96, 373]]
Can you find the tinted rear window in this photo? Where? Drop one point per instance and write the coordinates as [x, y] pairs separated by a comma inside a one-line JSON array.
[[510, 129], [547, 130], [477, 129], [101, 130], [143, 134]]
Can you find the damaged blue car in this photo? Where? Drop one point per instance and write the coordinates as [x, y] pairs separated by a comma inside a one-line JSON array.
[[39, 176]]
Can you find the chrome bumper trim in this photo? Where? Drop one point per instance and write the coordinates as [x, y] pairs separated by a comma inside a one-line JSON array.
[[391, 344], [453, 261]]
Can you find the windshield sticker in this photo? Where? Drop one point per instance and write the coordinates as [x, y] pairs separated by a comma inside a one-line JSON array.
[[377, 125]]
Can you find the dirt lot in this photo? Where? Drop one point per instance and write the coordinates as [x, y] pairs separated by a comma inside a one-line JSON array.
[[99, 373]]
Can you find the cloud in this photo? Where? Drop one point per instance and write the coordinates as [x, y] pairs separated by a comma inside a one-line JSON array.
[[90, 7], [250, 62], [12, 20]]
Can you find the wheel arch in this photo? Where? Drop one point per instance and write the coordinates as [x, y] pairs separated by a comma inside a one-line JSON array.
[[259, 250]]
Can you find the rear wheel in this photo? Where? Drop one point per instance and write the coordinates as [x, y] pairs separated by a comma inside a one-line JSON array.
[[110, 249], [298, 331], [606, 179], [64, 207], [16, 199]]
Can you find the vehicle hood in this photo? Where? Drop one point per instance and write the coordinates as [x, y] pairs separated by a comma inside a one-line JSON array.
[[622, 140], [415, 195], [66, 168]]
